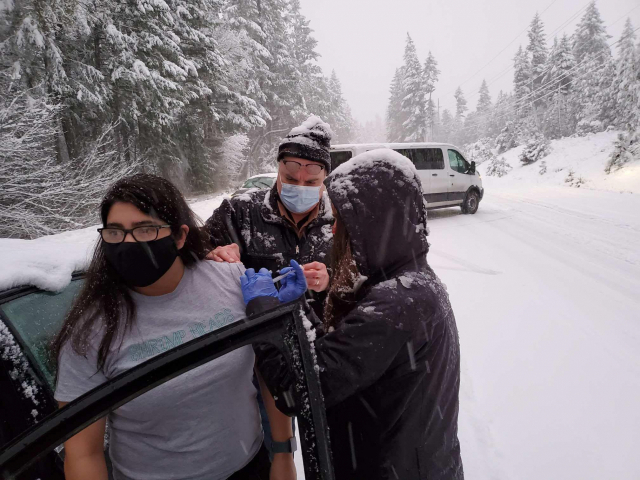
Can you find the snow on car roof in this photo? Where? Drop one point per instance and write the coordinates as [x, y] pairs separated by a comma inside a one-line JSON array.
[[49, 262], [46, 262]]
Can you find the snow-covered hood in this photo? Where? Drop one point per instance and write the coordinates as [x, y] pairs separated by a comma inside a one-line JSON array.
[[378, 194]]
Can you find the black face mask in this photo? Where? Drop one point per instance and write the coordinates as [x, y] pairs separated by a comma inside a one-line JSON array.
[[141, 264]]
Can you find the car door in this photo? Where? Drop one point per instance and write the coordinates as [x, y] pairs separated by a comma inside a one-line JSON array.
[[282, 327], [29, 318], [459, 179]]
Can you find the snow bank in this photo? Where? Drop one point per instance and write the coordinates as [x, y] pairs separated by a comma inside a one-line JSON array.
[[573, 162], [48, 262]]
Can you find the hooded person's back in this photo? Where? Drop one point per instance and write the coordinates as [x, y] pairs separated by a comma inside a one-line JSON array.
[[390, 363], [390, 370]]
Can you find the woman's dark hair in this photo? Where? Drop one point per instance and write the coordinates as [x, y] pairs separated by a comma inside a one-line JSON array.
[[341, 298], [105, 300]]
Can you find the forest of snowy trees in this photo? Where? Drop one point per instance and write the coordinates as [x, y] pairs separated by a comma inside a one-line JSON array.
[[579, 84], [200, 91]]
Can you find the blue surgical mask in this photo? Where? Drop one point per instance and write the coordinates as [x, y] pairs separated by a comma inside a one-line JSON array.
[[299, 199]]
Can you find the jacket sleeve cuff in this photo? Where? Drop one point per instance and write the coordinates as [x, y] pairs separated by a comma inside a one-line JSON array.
[[261, 304]]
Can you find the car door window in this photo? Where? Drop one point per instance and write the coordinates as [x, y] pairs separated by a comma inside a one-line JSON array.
[[36, 318], [457, 162], [424, 158]]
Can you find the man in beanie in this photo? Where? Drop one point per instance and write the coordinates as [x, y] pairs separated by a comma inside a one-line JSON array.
[[293, 220], [269, 228]]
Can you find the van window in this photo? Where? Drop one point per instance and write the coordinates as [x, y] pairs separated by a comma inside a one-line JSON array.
[[424, 158], [339, 157], [457, 162]]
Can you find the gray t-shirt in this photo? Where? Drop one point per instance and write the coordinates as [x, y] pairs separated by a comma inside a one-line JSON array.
[[203, 425]]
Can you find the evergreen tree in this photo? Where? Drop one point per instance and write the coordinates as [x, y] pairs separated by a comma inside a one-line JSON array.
[[484, 101], [431, 74], [461, 107], [501, 113], [626, 82], [537, 56], [395, 116], [559, 66], [447, 127], [557, 121], [483, 110], [590, 38], [340, 116], [521, 82], [461, 104], [413, 103]]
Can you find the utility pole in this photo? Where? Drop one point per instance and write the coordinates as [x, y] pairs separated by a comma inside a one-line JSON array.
[[431, 128], [438, 109]]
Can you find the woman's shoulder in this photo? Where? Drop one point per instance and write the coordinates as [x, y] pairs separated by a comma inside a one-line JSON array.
[[219, 270]]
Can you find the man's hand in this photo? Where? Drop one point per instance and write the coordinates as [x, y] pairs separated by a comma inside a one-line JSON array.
[[293, 286], [227, 253], [283, 467], [317, 276]]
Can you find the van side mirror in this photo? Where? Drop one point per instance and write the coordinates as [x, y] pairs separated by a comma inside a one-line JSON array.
[[473, 168]]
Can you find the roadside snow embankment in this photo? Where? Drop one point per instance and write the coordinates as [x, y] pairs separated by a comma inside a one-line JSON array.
[[48, 262], [573, 162]]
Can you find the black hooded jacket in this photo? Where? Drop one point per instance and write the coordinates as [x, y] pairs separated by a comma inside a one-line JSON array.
[[390, 370]]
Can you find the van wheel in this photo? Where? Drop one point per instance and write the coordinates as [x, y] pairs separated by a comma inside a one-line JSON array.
[[471, 203]]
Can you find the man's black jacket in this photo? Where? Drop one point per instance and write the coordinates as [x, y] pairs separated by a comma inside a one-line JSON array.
[[266, 239]]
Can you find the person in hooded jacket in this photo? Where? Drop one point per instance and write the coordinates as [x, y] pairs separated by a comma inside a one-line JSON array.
[[388, 351]]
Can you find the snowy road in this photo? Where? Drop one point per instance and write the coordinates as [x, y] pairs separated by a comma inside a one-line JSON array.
[[545, 284]]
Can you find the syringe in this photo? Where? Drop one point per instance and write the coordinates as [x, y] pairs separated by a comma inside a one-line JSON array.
[[280, 277]]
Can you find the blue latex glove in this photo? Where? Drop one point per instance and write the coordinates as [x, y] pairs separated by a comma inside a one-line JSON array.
[[256, 285], [293, 286]]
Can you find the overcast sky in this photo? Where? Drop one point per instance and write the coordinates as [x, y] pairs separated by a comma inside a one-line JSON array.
[[363, 41]]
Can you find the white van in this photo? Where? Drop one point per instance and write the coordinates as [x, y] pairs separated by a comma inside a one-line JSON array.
[[447, 178]]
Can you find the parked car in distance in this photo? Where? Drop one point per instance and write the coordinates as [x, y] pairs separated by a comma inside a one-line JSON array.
[[447, 178], [261, 181]]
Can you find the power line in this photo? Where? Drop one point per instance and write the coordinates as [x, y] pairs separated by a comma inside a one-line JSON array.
[[502, 51], [553, 83], [564, 24], [546, 70]]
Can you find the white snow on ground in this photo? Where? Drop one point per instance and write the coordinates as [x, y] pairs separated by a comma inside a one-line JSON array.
[[544, 282], [48, 262], [587, 157]]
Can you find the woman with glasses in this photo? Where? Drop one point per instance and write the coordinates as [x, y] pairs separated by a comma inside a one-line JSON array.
[[148, 289]]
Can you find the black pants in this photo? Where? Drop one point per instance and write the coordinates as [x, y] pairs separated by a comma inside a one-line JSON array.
[[256, 469]]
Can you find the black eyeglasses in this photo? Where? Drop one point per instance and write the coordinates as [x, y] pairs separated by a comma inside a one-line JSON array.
[[147, 233], [294, 167]]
